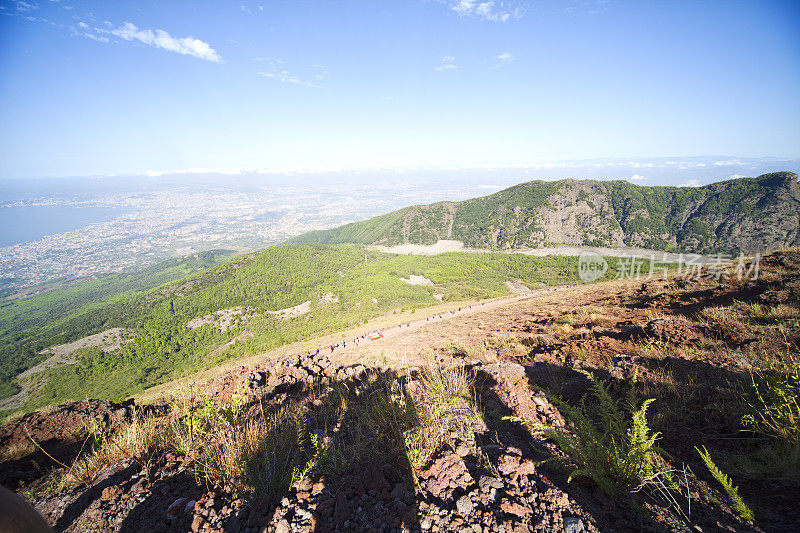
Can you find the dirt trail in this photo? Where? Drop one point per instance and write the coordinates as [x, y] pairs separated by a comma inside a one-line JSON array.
[[352, 347], [344, 346]]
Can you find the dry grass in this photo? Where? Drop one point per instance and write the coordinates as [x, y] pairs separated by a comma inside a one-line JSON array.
[[446, 411], [141, 439], [500, 347], [767, 313], [727, 322], [259, 454], [13, 417], [655, 349], [17, 450], [328, 430]]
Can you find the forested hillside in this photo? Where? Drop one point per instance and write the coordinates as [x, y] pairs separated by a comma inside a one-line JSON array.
[[745, 214], [30, 324], [342, 285]]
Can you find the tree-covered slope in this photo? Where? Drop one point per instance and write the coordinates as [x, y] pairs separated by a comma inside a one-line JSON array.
[[342, 285], [30, 324], [747, 214]]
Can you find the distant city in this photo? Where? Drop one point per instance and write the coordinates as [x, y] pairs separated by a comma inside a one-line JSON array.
[[145, 220], [178, 220]]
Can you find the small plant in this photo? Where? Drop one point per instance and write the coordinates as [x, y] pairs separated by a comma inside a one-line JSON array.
[[319, 455], [730, 489], [444, 407], [617, 454], [775, 414], [581, 353]]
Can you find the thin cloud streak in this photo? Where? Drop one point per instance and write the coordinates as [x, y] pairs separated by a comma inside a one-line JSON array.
[[447, 63], [278, 72], [161, 39], [488, 10]]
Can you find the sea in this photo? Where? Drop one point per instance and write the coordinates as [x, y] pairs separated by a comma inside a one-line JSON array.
[[27, 224]]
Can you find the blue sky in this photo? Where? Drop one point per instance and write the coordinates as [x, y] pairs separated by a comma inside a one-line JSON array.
[[101, 88]]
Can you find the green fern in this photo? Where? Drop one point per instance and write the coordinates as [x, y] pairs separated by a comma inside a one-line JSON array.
[[732, 491], [600, 445]]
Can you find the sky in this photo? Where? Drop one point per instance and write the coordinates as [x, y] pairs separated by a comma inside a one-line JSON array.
[[142, 88]]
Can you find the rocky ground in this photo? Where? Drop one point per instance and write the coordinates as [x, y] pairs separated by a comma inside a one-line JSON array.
[[353, 466]]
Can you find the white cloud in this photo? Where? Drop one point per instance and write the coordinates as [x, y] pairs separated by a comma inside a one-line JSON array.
[[447, 63], [84, 31], [161, 39], [691, 183], [30, 5], [278, 72], [226, 171], [502, 59], [638, 177], [489, 10]]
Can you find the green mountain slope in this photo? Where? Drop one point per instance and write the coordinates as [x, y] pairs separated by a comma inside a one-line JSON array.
[[747, 214], [339, 288], [28, 325]]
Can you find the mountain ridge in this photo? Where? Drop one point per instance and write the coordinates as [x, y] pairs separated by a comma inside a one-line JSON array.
[[742, 214]]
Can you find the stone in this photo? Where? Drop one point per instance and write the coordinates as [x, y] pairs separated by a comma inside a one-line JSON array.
[[526, 468], [508, 464], [176, 506], [189, 507], [573, 525], [515, 509], [283, 526], [446, 474], [677, 331], [401, 494], [341, 509], [463, 450], [198, 523], [464, 506], [109, 492]]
